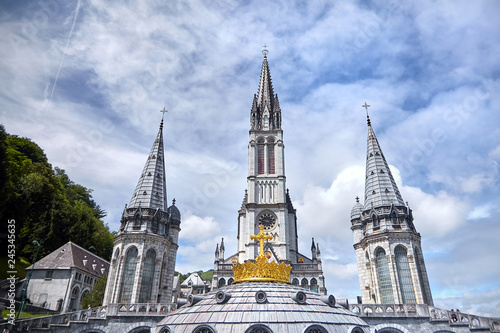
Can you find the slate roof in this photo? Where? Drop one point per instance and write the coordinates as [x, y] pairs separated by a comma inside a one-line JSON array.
[[195, 279], [279, 312], [71, 255], [380, 187], [151, 189]]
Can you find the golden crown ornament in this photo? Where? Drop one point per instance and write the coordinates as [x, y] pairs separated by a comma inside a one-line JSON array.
[[261, 269]]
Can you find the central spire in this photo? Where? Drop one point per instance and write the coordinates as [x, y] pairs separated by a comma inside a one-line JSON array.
[[266, 112]]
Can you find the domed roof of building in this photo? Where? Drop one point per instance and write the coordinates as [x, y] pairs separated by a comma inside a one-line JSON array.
[[174, 213], [263, 307], [356, 210]]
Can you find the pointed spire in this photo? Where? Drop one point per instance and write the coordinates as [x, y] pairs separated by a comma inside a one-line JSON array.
[[151, 189], [222, 249], [313, 246], [265, 113], [217, 251], [380, 187]]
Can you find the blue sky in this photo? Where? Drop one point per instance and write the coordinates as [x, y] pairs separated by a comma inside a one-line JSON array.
[[86, 80]]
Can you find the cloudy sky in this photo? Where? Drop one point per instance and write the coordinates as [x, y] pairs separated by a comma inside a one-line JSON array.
[[86, 81]]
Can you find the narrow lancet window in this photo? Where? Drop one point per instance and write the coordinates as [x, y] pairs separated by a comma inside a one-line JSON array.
[[384, 277]]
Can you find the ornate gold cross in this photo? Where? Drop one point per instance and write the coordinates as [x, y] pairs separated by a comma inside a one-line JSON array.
[[261, 236]]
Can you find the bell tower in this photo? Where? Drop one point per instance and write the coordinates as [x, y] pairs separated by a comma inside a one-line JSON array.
[[145, 248], [267, 201], [388, 247]]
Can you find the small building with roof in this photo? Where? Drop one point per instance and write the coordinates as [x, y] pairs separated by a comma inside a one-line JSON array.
[[61, 279], [194, 285]]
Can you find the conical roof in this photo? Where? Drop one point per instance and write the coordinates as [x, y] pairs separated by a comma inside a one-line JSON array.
[[151, 189], [380, 187], [265, 95]]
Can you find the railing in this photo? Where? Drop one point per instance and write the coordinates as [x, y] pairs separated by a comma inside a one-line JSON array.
[[300, 267], [138, 309], [453, 318]]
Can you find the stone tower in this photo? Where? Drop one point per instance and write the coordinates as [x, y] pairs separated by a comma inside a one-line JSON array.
[[145, 248], [388, 248], [267, 201]]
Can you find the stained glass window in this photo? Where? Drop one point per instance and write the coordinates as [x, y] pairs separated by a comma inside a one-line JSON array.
[[384, 277], [260, 158], [128, 277], [419, 261], [148, 273], [270, 158], [404, 275]]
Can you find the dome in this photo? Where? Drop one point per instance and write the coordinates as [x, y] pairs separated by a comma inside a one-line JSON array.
[[356, 211], [174, 214], [267, 307]]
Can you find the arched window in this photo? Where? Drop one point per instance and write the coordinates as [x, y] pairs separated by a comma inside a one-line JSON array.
[[419, 262], [314, 285], [384, 277], [128, 276], [404, 275], [270, 156], [260, 157], [258, 328], [222, 282], [230, 281], [295, 281], [148, 272], [304, 283]]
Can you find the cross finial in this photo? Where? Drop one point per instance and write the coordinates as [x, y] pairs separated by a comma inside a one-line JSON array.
[[357, 199], [163, 111], [366, 106], [261, 236], [265, 51]]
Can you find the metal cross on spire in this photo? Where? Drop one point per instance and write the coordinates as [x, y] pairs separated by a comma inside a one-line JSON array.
[[265, 51], [163, 111], [366, 106]]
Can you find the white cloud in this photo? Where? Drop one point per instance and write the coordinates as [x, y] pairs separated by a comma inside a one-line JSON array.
[[433, 109]]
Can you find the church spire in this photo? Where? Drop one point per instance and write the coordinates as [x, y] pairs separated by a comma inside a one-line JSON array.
[[266, 112], [151, 189], [380, 187]]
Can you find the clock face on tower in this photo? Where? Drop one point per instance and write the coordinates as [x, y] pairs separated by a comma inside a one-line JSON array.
[[268, 221]]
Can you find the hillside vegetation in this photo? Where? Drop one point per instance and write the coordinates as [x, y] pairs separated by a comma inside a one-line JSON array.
[[45, 203]]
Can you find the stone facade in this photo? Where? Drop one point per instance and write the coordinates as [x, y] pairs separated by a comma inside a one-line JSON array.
[[267, 200], [61, 279], [388, 247], [145, 249]]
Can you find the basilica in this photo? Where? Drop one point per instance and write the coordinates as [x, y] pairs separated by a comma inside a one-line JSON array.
[[269, 285]]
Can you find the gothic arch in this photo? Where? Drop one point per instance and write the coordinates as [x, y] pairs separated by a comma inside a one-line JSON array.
[[148, 273], [295, 281], [404, 275], [384, 277], [128, 275], [222, 282]]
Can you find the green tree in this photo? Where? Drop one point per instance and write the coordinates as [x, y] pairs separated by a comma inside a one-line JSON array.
[[96, 295], [46, 204]]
